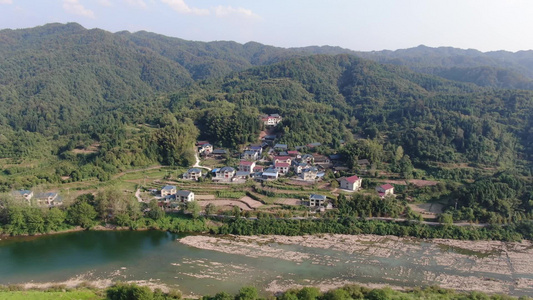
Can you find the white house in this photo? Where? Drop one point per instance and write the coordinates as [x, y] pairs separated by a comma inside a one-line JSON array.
[[193, 174], [250, 155], [282, 167], [352, 183], [184, 196], [309, 174], [48, 199], [225, 173], [271, 120], [246, 166]]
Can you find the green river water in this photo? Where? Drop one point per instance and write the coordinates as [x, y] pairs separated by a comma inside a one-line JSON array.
[[159, 257]]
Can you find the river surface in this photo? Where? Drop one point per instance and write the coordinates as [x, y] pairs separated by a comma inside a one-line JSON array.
[[159, 258]]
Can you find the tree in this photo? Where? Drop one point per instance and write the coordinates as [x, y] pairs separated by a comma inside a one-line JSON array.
[[210, 209], [55, 218], [155, 211], [247, 293], [309, 293], [82, 214], [194, 209]]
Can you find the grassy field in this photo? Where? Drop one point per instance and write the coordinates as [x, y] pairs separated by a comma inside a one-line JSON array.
[[40, 295]]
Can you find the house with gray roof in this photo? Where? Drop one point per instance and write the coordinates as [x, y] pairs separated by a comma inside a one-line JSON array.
[[317, 200], [168, 190], [193, 174], [184, 196]]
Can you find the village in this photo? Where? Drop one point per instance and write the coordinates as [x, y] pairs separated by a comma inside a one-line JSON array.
[[266, 177]]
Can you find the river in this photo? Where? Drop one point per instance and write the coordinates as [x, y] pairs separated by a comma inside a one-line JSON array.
[[160, 259]]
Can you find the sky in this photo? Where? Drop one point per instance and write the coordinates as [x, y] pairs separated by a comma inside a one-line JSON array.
[[362, 25]]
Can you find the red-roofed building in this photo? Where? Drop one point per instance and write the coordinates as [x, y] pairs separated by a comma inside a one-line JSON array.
[[246, 166], [293, 153], [282, 167], [352, 183], [284, 159], [385, 190], [258, 169]]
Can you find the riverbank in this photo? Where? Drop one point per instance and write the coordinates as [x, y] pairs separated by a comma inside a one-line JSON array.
[[488, 266]]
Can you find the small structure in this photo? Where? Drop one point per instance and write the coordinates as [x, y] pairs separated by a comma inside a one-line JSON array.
[[184, 196], [48, 199], [307, 158], [168, 190], [284, 159], [257, 169], [281, 147], [352, 183], [293, 153], [317, 200], [309, 174], [313, 145], [246, 166], [298, 167], [282, 167], [270, 174], [251, 155], [205, 149], [256, 148], [241, 175], [193, 174], [321, 159], [219, 152], [385, 190], [363, 162], [26, 194], [271, 120]]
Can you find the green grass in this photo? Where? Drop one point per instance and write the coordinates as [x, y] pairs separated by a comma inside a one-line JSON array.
[[41, 295]]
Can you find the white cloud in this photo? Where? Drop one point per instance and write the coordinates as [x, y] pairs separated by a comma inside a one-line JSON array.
[[137, 3], [6, 1], [227, 11], [105, 2], [75, 7], [181, 7]]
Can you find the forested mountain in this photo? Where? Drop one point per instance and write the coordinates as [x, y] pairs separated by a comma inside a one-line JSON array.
[[64, 87], [499, 69]]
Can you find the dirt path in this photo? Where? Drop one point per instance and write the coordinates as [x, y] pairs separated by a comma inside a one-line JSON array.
[[197, 164]]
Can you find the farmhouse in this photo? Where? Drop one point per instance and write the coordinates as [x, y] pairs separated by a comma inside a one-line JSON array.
[[250, 155], [270, 174], [168, 190], [48, 199], [271, 120], [352, 183], [317, 200], [309, 174], [246, 166], [225, 173], [193, 174], [184, 196], [385, 190], [282, 167]]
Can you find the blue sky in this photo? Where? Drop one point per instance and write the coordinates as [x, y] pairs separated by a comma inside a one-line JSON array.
[[486, 25]]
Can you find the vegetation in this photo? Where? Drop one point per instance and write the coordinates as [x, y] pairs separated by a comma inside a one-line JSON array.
[[144, 100], [122, 291]]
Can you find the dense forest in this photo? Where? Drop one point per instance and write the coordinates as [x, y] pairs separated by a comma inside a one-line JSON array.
[[78, 104]]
